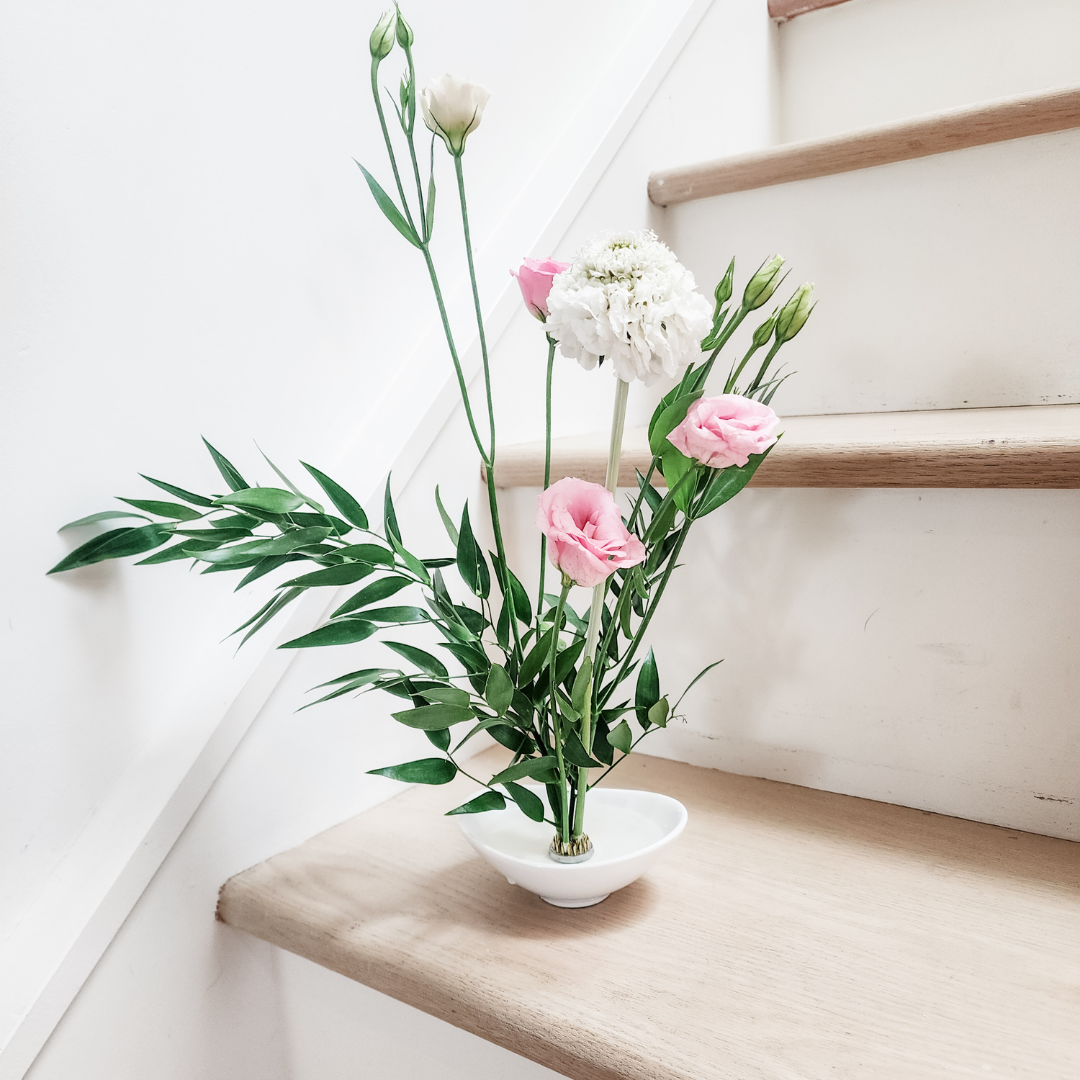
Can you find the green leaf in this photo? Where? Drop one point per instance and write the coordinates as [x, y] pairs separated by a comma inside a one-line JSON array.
[[470, 559], [170, 554], [369, 553], [447, 520], [439, 739], [446, 695], [489, 800], [236, 521], [647, 693], [693, 682], [522, 607], [214, 537], [266, 613], [228, 471], [104, 515], [370, 594], [179, 492], [574, 752], [343, 574], [567, 659], [499, 691], [582, 685], [510, 737], [473, 659], [438, 564], [346, 505], [620, 737], [433, 717], [277, 545], [390, 521], [386, 205], [430, 770], [289, 484], [430, 665], [404, 614], [676, 465], [727, 483], [429, 221], [537, 659], [530, 805], [176, 511], [364, 675], [274, 500], [346, 632], [658, 714], [539, 768], [666, 419], [652, 496], [115, 544]]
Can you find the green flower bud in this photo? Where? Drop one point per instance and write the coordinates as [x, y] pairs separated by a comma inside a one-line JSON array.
[[764, 283], [764, 331], [382, 37], [795, 312], [404, 31], [723, 289]]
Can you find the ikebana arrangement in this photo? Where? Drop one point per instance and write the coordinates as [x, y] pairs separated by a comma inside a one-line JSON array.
[[566, 691]]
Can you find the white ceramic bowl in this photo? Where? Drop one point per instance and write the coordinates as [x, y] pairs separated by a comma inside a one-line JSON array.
[[629, 831]]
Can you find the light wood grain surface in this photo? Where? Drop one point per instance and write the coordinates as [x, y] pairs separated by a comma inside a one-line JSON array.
[[788, 9], [1037, 446], [954, 129], [790, 934]]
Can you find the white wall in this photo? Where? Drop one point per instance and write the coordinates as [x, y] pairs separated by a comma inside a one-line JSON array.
[[868, 62], [196, 162]]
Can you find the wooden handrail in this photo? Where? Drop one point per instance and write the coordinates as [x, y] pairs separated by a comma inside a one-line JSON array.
[[938, 133], [1029, 447]]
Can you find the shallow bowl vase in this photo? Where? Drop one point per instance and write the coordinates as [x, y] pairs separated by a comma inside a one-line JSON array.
[[629, 831]]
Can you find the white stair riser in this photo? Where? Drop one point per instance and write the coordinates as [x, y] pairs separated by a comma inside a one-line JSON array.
[[869, 62], [944, 282]]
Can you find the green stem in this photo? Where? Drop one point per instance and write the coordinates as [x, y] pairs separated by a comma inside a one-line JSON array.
[[547, 472], [454, 356], [504, 573], [673, 559], [764, 367], [389, 144], [564, 828], [618, 424]]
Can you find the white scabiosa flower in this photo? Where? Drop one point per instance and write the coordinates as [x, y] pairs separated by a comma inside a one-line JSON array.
[[627, 299]]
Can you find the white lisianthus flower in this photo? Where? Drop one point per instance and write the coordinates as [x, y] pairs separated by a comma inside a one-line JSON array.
[[452, 109], [627, 299]]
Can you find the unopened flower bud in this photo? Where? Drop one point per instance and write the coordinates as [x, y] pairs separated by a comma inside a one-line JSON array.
[[723, 289], [404, 31], [764, 331], [764, 283], [382, 37], [795, 312]]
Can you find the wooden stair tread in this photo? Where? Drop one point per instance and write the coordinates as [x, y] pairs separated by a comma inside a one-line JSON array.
[[1031, 446], [952, 129], [789, 932]]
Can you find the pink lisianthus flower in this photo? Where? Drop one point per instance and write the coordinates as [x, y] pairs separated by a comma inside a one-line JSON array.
[[725, 430], [534, 277], [588, 541]]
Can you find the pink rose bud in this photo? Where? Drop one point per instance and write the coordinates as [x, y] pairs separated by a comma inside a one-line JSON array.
[[725, 430], [535, 277], [587, 539]]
